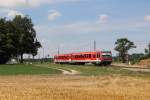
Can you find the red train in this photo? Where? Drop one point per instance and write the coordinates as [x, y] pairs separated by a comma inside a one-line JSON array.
[[95, 57]]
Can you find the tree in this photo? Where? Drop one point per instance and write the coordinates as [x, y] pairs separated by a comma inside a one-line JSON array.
[[147, 51], [26, 36], [17, 37], [4, 56], [122, 46]]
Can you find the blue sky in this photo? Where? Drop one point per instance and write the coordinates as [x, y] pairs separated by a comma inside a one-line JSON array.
[[73, 25]]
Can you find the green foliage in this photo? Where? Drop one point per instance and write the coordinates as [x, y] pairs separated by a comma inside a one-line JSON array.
[[27, 41], [122, 46], [135, 58], [17, 37], [147, 52], [4, 47]]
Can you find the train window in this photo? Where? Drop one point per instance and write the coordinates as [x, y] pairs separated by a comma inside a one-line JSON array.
[[98, 55], [89, 55], [82, 56], [85, 56], [79, 56], [106, 56], [94, 56]]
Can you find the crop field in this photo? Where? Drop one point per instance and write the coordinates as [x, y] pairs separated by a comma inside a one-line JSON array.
[[90, 83]]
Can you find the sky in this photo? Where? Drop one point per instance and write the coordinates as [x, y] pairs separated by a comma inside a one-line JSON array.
[[73, 25]]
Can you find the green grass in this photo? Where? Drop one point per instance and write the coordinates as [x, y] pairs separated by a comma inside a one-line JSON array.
[[26, 70], [86, 70], [90, 70]]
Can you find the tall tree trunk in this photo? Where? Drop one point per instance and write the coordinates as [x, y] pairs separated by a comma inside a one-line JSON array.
[[123, 58], [21, 59]]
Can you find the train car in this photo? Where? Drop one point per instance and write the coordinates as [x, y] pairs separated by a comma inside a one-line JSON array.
[[95, 57]]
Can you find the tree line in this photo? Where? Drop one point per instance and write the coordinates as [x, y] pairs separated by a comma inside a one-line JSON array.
[[17, 37]]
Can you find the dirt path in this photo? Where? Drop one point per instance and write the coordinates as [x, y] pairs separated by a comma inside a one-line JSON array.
[[138, 69], [133, 67], [65, 72], [126, 65]]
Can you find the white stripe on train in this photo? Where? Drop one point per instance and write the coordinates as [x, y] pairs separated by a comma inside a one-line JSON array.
[[77, 61]]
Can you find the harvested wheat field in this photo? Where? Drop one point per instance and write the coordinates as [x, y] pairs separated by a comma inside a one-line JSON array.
[[74, 88]]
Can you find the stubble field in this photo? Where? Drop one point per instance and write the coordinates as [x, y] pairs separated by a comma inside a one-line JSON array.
[[65, 87]]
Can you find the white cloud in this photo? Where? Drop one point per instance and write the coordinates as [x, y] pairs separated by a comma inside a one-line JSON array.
[[10, 13], [54, 14], [92, 27], [147, 18], [31, 3], [12, 3], [35, 3], [13, 13], [103, 18]]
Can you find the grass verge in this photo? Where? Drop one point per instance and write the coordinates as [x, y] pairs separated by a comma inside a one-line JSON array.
[[26, 70]]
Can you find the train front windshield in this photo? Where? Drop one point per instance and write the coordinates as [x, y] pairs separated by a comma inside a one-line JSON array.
[[106, 56]]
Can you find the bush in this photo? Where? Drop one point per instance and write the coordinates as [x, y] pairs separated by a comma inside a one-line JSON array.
[[3, 59]]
